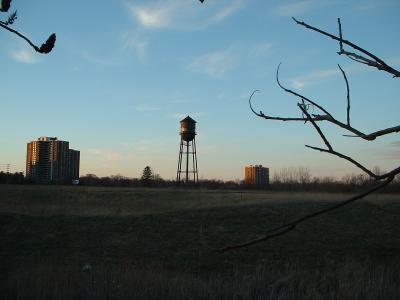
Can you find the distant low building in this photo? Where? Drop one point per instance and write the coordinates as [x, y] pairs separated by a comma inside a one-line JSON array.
[[256, 175], [49, 160]]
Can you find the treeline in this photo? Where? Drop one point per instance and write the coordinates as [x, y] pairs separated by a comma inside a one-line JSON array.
[[12, 178], [300, 179], [284, 180], [153, 181], [292, 179]]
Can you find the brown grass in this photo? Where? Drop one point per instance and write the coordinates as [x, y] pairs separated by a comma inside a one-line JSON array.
[[347, 280], [161, 244]]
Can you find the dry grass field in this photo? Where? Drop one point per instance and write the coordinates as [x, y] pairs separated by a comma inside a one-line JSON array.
[[123, 243]]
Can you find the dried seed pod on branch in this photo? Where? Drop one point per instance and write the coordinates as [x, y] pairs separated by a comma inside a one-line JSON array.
[[44, 48]]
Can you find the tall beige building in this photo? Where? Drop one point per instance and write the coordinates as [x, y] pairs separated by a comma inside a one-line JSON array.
[[49, 160], [256, 175]]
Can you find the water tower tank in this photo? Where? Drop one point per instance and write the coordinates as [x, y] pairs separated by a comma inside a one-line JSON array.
[[188, 129]]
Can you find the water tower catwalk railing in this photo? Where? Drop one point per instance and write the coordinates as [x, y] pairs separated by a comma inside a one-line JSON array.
[[187, 152]]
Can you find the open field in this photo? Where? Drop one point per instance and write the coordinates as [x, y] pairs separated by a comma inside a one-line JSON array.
[[161, 244]]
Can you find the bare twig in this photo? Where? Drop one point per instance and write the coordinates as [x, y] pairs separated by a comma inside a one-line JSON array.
[[44, 48], [348, 94], [323, 117], [20, 35], [262, 115], [340, 35], [340, 155], [375, 62], [316, 127], [300, 96], [354, 162], [329, 146], [373, 135]]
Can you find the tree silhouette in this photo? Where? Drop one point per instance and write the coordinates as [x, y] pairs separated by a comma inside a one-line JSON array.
[[147, 176], [359, 55], [44, 48]]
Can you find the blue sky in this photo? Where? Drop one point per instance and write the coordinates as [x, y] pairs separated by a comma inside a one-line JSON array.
[[124, 72]]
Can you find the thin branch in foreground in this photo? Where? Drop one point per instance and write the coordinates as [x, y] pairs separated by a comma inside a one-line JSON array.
[[327, 117], [44, 48], [262, 115], [375, 62], [381, 180], [358, 134], [330, 149], [372, 136], [340, 35], [300, 96], [283, 229], [348, 158], [316, 127], [340, 155], [348, 94]]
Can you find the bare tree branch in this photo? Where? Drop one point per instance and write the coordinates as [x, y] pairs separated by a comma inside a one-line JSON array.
[[375, 62], [325, 117], [354, 162], [381, 180], [338, 154], [316, 127], [262, 115], [348, 94], [300, 96], [340, 35]]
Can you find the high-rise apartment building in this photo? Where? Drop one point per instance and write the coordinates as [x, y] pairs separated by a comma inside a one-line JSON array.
[[74, 159], [49, 160], [256, 175]]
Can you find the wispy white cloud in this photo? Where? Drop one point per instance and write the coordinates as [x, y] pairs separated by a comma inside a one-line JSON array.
[[126, 46], [133, 42], [145, 145], [25, 56], [215, 63], [313, 78], [94, 59], [297, 8], [260, 49], [106, 154], [179, 101], [185, 15], [218, 63], [73, 69], [374, 5], [152, 14], [393, 150], [227, 11], [143, 107], [319, 76]]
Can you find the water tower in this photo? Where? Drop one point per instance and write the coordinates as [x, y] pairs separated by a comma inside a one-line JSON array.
[[187, 152]]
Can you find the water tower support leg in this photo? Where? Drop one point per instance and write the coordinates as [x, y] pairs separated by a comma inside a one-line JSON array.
[[178, 173], [187, 161]]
